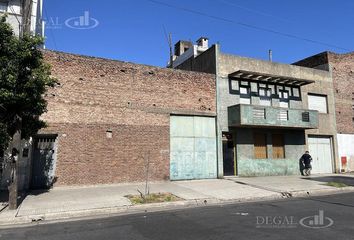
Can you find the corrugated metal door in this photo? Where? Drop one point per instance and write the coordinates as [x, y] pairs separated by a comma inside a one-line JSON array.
[[193, 148], [321, 152]]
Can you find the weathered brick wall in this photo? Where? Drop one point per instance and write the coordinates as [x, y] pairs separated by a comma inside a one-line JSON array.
[[342, 66], [133, 101], [343, 81]]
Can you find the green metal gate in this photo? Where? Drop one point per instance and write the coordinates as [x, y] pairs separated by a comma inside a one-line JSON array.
[[193, 148]]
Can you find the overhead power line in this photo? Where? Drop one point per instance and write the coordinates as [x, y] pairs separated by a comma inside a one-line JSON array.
[[254, 11], [289, 35], [269, 15]]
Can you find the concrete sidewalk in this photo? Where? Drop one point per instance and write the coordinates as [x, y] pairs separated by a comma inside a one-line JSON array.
[[72, 202]]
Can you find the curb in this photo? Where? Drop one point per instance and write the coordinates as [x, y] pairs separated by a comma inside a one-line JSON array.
[[50, 218], [321, 192]]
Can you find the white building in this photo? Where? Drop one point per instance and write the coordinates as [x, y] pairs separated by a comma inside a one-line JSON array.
[[25, 16]]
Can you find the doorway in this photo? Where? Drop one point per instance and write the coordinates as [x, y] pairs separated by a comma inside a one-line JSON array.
[[43, 162], [228, 149], [321, 152], [193, 148]]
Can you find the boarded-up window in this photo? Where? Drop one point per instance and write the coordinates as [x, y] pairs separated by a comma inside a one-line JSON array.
[[260, 146], [278, 146], [317, 102]]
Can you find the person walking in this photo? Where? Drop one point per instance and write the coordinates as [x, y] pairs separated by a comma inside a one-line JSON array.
[[306, 160]]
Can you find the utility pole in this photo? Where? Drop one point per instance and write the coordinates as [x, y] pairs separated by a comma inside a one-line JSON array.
[[171, 53]]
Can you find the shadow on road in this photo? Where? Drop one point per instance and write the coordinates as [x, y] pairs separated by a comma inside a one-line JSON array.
[[338, 179]]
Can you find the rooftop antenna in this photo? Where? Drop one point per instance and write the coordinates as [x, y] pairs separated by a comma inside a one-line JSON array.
[[169, 41], [270, 55], [170, 45]]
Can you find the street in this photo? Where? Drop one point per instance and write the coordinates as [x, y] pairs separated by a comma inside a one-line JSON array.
[[325, 217]]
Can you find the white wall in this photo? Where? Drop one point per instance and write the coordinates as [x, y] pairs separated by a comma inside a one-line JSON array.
[[346, 149], [14, 12]]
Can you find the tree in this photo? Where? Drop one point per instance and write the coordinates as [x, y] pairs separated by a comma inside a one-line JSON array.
[[24, 79]]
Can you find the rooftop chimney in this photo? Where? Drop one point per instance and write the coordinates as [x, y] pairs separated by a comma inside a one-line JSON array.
[[203, 42], [181, 47]]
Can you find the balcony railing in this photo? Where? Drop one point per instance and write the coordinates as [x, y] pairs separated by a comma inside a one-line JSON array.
[[263, 116]]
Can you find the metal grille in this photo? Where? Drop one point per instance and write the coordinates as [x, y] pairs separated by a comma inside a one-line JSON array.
[[283, 115], [45, 142], [259, 113], [306, 117]]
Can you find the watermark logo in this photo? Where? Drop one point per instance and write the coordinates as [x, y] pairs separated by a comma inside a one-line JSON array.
[[316, 221], [82, 22], [276, 222], [53, 23]]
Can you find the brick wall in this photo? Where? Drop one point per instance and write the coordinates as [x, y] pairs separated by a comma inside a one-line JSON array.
[[132, 101], [343, 81], [342, 67]]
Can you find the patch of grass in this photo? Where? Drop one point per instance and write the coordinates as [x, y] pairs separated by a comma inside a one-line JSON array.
[[153, 198], [336, 184]]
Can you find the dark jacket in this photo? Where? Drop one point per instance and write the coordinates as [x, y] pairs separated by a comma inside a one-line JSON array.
[[306, 159]]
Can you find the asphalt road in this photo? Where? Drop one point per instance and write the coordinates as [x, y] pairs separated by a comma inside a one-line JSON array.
[[282, 219]]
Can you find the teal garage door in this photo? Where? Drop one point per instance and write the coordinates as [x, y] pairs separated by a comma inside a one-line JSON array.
[[193, 148]]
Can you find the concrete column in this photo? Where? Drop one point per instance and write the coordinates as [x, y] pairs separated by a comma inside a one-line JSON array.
[[218, 111]]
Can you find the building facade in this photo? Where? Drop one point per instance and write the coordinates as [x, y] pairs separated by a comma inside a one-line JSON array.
[[112, 121], [341, 67], [25, 16], [267, 113]]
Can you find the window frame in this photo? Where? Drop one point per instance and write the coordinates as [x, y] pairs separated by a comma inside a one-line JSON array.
[[317, 95], [247, 85]]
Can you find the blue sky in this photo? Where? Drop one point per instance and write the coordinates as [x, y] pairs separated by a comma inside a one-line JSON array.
[[133, 30]]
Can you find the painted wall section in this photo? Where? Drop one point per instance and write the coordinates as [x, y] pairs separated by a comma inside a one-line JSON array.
[[346, 151], [247, 165], [268, 167], [193, 148]]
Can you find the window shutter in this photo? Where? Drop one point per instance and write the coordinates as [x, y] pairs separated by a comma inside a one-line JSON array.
[[260, 146], [318, 103], [278, 146]]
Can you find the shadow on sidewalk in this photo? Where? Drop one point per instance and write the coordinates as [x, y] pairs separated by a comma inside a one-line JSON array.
[[4, 196], [338, 179], [23, 195]]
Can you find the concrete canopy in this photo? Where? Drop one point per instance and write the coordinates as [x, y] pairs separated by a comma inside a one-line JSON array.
[[269, 78]]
